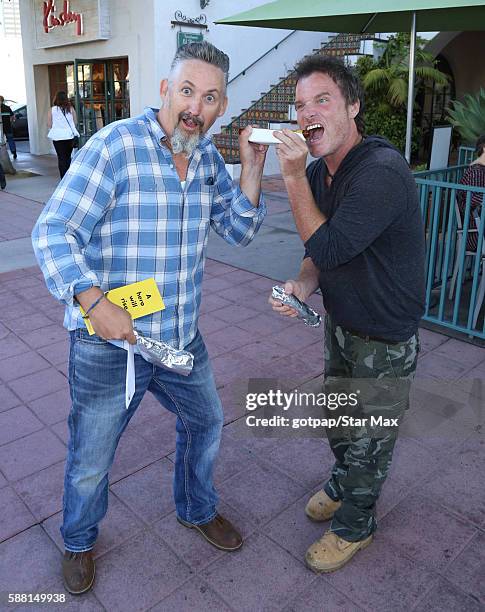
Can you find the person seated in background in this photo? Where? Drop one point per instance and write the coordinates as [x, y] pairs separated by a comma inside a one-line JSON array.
[[474, 176]]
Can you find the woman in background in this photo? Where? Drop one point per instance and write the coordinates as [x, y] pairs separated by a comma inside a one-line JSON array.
[[474, 176], [61, 121]]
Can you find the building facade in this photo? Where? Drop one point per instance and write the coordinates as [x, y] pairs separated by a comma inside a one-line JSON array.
[[110, 55]]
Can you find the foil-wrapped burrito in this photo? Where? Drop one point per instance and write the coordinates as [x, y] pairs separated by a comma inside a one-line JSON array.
[[305, 313], [163, 355]]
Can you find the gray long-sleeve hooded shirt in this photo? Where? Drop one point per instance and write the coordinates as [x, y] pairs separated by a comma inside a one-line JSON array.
[[370, 252]]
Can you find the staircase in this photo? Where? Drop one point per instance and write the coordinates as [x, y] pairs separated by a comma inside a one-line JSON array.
[[272, 107]]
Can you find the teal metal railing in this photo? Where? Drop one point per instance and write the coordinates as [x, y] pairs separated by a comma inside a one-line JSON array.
[[455, 270], [465, 155]]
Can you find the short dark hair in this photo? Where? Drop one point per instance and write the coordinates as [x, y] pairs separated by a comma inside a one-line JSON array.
[[205, 52], [342, 75], [480, 145]]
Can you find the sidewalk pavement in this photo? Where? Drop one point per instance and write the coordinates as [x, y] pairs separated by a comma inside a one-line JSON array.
[[428, 552]]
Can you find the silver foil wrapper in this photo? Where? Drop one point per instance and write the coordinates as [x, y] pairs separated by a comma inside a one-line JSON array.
[[305, 313], [165, 356]]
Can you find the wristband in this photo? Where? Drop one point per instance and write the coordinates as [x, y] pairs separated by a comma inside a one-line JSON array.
[[93, 305]]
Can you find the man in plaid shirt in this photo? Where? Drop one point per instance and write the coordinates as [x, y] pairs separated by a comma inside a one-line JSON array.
[[137, 202]]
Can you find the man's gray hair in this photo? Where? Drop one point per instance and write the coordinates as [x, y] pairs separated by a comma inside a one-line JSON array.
[[205, 52]]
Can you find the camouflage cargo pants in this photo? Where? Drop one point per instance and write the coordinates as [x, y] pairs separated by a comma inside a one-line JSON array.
[[380, 375]]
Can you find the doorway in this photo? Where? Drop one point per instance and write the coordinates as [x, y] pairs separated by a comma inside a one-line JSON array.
[[99, 90]]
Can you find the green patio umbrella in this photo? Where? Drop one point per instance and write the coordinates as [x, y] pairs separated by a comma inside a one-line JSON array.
[[355, 16]]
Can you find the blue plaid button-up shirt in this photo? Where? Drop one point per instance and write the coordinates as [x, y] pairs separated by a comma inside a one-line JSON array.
[[121, 215]]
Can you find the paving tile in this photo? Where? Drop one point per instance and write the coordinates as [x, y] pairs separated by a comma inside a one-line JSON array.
[[16, 306], [434, 430], [119, 525], [149, 408], [234, 313], [30, 454], [209, 323], [445, 596], [227, 340], [159, 432], [138, 574], [411, 465], [15, 516], [307, 460], [42, 491], [264, 351], [232, 367], [36, 385], [465, 353], [261, 576], [251, 494], [263, 285], [264, 324], [132, 454], [231, 460], [21, 365], [425, 531], [458, 485], [21, 325], [28, 561], [190, 546], [63, 368], [468, 569], [11, 346], [193, 595], [430, 340], [16, 423], [56, 353], [4, 331], [239, 294], [321, 596], [87, 602], [52, 408], [45, 336], [3, 481], [8, 399], [216, 268], [293, 530], [440, 367], [380, 578], [240, 277], [214, 285], [298, 337], [148, 492], [212, 302], [61, 430]]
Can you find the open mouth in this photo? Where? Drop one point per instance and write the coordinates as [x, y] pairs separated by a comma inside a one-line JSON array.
[[313, 132], [190, 122]]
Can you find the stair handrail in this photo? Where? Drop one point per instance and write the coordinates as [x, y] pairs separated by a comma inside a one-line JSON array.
[[273, 48]]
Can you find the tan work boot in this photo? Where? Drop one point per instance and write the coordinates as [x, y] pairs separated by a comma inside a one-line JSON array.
[[321, 507], [331, 552]]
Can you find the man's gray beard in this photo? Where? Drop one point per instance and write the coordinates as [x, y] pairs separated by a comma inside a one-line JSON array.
[[184, 143]]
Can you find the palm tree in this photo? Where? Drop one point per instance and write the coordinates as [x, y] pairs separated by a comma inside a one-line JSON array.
[[390, 76]]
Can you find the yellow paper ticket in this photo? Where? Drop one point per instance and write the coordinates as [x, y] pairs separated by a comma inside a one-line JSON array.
[[139, 299]]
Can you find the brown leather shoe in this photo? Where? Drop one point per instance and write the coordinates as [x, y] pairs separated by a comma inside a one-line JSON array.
[[219, 532], [78, 571]]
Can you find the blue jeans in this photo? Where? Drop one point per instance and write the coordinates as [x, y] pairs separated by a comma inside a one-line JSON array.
[[11, 143], [98, 417]]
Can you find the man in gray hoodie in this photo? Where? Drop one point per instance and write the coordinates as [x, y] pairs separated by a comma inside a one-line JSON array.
[[357, 212]]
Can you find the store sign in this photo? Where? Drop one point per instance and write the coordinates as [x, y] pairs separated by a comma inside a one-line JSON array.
[[65, 17], [183, 38], [69, 22]]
